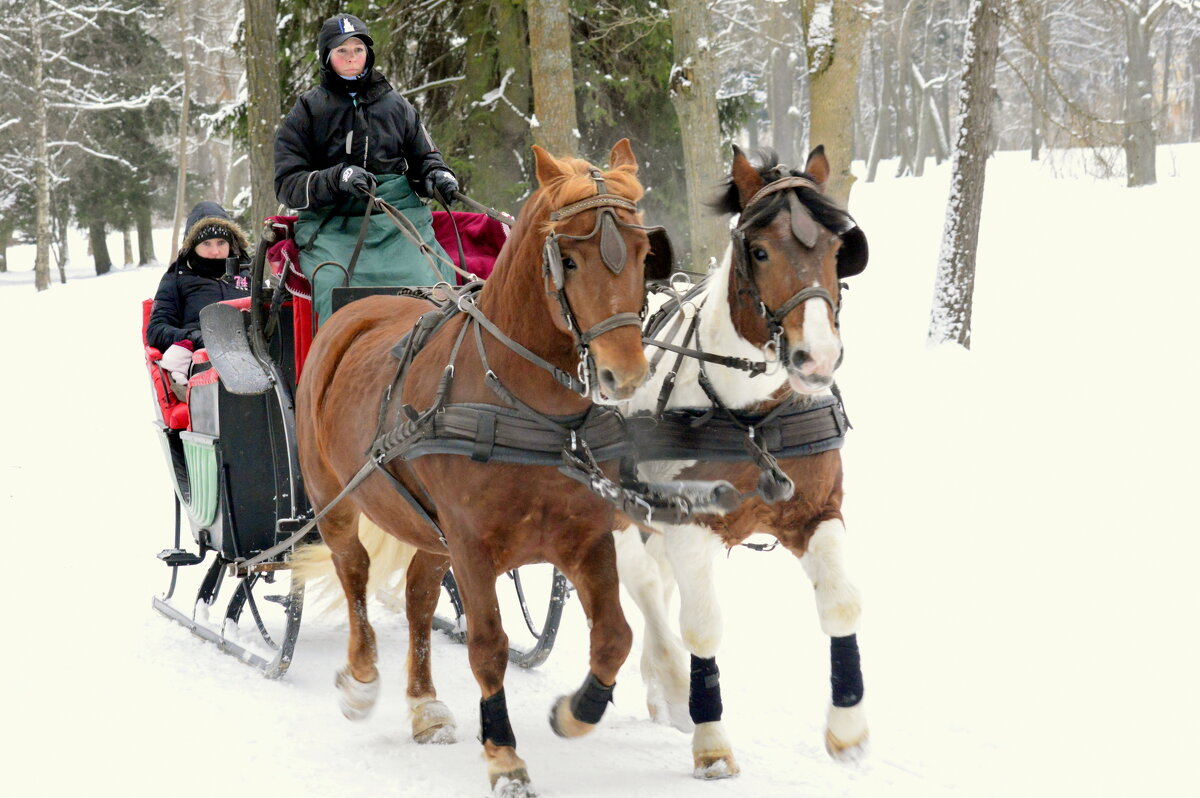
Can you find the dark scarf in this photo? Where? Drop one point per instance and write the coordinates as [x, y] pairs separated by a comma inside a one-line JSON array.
[[206, 267]]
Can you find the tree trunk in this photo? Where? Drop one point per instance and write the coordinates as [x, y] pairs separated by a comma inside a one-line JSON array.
[[145, 234], [1139, 137], [833, 93], [6, 229], [262, 108], [1194, 133], [41, 258], [950, 319], [693, 87], [886, 116], [127, 248], [552, 76], [182, 154], [99, 242]]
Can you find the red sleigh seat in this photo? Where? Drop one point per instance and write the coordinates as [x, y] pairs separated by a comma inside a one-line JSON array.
[[172, 412]]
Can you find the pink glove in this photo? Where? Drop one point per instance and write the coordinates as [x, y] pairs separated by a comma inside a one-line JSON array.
[[178, 361]]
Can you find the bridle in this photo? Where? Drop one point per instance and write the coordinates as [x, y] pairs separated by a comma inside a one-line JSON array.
[[805, 229], [612, 254]]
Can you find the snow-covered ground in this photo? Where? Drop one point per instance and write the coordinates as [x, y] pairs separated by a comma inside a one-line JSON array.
[[1023, 521]]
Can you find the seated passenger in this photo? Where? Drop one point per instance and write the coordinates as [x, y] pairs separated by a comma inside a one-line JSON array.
[[197, 278]]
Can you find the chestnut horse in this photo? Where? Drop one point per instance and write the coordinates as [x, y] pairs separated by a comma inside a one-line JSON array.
[[772, 307], [560, 292]]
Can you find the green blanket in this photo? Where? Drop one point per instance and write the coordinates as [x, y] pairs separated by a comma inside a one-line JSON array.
[[388, 257]]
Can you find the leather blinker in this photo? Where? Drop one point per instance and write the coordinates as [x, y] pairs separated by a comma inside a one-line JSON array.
[[804, 227], [612, 243]]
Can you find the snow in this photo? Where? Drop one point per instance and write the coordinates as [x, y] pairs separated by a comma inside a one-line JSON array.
[[1021, 519]]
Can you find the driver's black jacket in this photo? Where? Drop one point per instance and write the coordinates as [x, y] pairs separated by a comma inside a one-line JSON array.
[[311, 145]]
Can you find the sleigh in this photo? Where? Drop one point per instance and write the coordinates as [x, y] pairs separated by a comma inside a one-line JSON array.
[[230, 449]]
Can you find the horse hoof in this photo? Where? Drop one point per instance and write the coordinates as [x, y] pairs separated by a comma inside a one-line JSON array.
[[513, 785], [846, 733], [433, 723], [356, 699], [715, 765], [563, 721]]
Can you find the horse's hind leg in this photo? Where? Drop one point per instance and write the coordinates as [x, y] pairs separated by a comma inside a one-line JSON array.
[[839, 608], [432, 721], [358, 682], [691, 550], [650, 583], [594, 574]]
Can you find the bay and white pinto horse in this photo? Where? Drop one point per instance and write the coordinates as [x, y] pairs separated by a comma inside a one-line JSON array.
[[771, 308]]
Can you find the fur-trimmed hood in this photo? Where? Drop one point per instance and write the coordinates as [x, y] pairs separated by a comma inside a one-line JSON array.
[[210, 213]]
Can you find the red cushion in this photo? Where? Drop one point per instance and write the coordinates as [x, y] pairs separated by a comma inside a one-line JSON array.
[[174, 413], [482, 239]]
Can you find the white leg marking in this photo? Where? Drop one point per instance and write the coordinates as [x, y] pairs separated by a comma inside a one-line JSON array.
[[712, 754], [838, 603], [846, 732], [664, 662], [691, 550]]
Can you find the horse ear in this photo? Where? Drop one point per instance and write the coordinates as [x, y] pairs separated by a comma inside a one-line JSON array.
[[745, 177], [622, 155], [660, 260], [548, 167], [818, 166], [852, 257]]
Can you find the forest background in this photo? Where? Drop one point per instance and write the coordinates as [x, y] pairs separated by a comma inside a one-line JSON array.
[[118, 115]]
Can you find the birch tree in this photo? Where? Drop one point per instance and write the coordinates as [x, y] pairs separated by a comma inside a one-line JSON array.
[[950, 319]]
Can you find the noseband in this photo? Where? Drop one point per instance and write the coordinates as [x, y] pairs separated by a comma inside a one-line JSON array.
[[805, 230], [612, 254]]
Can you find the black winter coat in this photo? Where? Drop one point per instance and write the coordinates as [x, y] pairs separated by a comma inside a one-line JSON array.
[[181, 295], [311, 145]]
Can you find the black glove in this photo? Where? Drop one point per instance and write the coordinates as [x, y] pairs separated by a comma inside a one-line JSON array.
[[354, 180], [195, 337], [440, 181]]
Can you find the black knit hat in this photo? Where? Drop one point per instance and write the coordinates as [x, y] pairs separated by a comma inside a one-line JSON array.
[[338, 29]]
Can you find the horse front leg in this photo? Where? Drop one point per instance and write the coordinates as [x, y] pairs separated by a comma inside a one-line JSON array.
[[691, 550], [839, 608], [432, 721], [648, 579], [358, 682], [593, 572], [487, 651]]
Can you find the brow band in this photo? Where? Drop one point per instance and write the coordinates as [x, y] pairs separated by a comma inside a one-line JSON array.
[[600, 200], [780, 185]]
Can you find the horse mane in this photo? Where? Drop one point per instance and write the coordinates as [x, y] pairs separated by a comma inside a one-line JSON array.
[[578, 185], [824, 210]]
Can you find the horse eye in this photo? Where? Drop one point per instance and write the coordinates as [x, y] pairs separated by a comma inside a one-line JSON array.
[[568, 263], [759, 254]]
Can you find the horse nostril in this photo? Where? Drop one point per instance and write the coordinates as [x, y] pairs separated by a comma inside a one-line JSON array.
[[608, 379], [799, 358]]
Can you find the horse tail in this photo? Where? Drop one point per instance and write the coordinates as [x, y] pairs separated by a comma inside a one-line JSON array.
[[313, 565]]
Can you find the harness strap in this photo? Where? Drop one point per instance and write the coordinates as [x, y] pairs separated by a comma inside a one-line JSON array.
[[467, 305]]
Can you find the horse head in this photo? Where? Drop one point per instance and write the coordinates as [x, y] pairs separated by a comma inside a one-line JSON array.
[[595, 258], [791, 247]]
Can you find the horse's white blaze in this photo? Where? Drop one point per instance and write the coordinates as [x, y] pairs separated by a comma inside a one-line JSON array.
[[821, 340], [692, 550], [838, 602]]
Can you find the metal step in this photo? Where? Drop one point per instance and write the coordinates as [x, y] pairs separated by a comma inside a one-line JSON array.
[[179, 557]]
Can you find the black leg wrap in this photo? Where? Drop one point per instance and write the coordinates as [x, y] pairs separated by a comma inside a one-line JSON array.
[[845, 671], [493, 721], [704, 696], [590, 700]]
